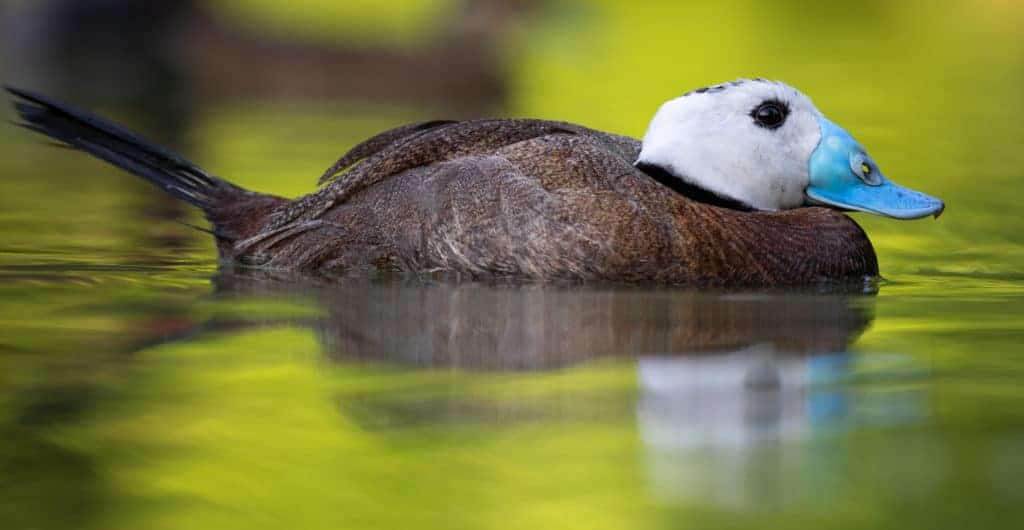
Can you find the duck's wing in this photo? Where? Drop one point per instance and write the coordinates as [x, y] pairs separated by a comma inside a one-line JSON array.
[[409, 147], [557, 205], [385, 140]]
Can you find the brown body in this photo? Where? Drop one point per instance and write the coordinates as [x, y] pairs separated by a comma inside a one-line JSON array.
[[524, 198], [562, 202]]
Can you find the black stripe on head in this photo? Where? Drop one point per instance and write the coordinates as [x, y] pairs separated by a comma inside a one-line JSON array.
[[720, 87]]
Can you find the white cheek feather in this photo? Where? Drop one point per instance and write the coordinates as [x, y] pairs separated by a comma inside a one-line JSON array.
[[710, 140]]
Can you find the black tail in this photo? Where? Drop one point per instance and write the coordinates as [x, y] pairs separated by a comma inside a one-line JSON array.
[[124, 149]]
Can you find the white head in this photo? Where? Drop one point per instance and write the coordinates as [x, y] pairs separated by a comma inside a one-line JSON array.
[[760, 143]]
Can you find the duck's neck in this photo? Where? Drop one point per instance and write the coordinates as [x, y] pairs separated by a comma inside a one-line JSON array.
[[692, 191]]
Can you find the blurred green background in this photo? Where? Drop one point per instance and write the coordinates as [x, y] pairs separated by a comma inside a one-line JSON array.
[[142, 389]]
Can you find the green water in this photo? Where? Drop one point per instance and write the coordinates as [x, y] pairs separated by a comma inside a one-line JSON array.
[[142, 388]]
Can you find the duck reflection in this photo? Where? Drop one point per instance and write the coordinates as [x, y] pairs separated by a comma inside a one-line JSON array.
[[740, 395], [477, 326]]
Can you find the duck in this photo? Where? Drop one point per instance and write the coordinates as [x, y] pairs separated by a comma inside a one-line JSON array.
[[743, 183]]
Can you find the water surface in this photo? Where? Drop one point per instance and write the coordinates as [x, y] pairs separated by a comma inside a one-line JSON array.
[[144, 388]]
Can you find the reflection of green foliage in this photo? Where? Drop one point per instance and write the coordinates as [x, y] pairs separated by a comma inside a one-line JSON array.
[[254, 429]]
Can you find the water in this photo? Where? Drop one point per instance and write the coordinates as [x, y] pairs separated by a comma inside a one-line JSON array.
[[144, 388]]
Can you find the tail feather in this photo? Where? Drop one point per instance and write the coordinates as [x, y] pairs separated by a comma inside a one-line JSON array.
[[123, 148]]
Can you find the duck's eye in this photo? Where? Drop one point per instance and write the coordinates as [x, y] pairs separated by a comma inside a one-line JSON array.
[[770, 114]]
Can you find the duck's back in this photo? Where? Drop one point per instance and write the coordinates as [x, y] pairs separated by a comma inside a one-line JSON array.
[[545, 200]]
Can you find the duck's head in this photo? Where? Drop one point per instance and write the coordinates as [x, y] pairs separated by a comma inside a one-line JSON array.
[[763, 145]]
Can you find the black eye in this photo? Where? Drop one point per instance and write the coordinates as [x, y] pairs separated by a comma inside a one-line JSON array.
[[770, 114]]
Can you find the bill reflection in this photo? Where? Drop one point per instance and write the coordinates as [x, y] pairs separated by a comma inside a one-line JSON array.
[[758, 427]]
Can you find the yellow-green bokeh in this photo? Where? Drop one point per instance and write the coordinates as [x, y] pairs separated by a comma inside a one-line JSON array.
[[253, 426]]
